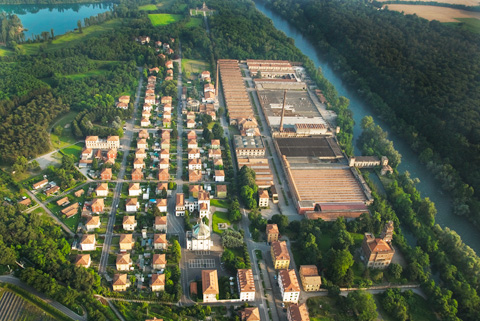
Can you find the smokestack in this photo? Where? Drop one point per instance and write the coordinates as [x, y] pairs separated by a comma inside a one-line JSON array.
[[283, 109]]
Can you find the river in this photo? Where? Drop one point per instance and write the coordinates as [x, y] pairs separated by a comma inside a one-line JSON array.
[[61, 18], [427, 186]]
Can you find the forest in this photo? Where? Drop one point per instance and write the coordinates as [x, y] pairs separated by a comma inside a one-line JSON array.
[[420, 76], [11, 29]]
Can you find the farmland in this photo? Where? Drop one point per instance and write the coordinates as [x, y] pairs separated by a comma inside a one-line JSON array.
[[13, 307], [441, 14], [148, 7], [461, 2], [163, 19]]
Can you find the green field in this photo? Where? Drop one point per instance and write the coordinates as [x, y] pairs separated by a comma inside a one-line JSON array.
[[148, 7], [219, 203], [163, 19], [471, 24], [69, 39], [74, 150], [219, 217], [194, 22], [194, 66], [66, 138]]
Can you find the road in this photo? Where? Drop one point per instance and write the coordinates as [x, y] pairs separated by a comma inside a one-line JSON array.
[[125, 142], [15, 281]]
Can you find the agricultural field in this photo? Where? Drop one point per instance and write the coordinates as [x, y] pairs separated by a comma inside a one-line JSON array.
[[14, 307], [69, 39], [441, 14], [148, 7], [470, 24], [461, 2], [163, 19]]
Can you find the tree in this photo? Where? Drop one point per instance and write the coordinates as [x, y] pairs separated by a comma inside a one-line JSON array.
[[207, 135], [395, 270], [338, 262], [176, 251], [52, 33], [79, 24], [217, 131], [174, 132], [281, 221], [234, 214], [363, 305]]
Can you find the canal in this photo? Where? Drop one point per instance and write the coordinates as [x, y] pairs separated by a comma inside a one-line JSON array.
[[427, 186]]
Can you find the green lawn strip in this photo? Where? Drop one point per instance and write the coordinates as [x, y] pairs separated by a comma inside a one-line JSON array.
[[219, 217], [75, 150], [36, 301], [194, 22], [163, 19], [72, 38], [470, 24], [66, 138], [148, 7], [219, 203], [195, 66]]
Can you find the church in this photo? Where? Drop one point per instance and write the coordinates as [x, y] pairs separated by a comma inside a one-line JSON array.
[[199, 238]]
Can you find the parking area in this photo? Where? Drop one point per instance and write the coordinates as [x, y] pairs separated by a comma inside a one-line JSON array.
[[201, 264]]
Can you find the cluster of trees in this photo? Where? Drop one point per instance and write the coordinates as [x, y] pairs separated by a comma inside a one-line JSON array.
[[418, 75], [232, 239], [66, 175], [247, 186], [11, 29], [374, 142], [85, 122]]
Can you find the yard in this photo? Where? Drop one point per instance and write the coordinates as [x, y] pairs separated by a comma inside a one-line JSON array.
[[194, 66], [194, 22], [148, 7], [66, 138], [219, 217], [75, 150], [163, 19], [219, 203]]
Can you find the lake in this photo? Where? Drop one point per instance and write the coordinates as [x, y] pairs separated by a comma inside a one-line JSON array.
[[428, 187], [61, 18]]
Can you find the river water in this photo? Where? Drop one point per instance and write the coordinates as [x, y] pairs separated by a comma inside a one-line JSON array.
[[427, 186], [60, 18]]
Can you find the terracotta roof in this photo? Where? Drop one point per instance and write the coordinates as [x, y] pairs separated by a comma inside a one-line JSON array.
[[88, 239], [308, 270], [218, 162], [160, 220], [158, 279], [129, 219], [193, 151], [203, 196], [280, 250], [93, 220], [82, 259], [113, 138], [379, 245], [134, 186], [141, 141], [272, 229], [120, 279], [102, 187], [289, 280], [123, 258], [59, 202], [87, 151], [180, 199], [159, 259], [221, 188], [98, 202], [161, 186], [203, 206], [91, 138], [164, 152], [250, 314], [210, 282], [298, 312], [263, 194], [131, 201], [160, 238], [126, 238], [245, 280], [106, 171], [194, 188], [215, 142], [161, 202]]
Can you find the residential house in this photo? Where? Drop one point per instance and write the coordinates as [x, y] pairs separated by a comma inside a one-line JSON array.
[[167, 114], [140, 153], [138, 163], [160, 223], [162, 205], [83, 260], [298, 312], [280, 255], [193, 153], [26, 202], [122, 105], [145, 122], [124, 99], [160, 241], [209, 97], [144, 133], [221, 191], [52, 190], [124, 263], [142, 143], [210, 285], [87, 153], [159, 261], [146, 107], [87, 243], [112, 153], [126, 242], [137, 174], [246, 284], [146, 114], [180, 204], [165, 134], [166, 100], [158, 282], [79, 193], [98, 205], [272, 233], [164, 154], [215, 144], [120, 283], [219, 176], [289, 287], [169, 64], [263, 198], [170, 73], [311, 281], [132, 205], [63, 201], [194, 189], [106, 174], [218, 163], [378, 253], [190, 115], [163, 175], [192, 143], [164, 164], [40, 184], [194, 175], [214, 154], [205, 74], [195, 164], [191, 135], [71, 210], [165, 144], [160, 187], [154, 70], [209, 88], [129, 223], [93, 222]]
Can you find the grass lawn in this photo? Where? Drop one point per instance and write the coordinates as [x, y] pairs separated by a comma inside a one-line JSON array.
[[194, 66], [74, 150], [5, 52], [326, 312], [471, 24], [219, 203], [194, 22], [148, 7], [72, 38], [163, 19], [219, 217], [233, 130], [66, 138]]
